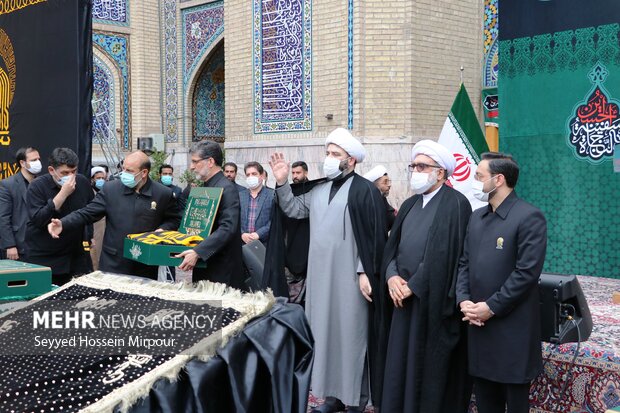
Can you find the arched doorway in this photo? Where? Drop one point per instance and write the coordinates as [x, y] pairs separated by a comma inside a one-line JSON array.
[[208, 121]]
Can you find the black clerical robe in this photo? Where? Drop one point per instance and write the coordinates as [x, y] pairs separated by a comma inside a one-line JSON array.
[[427, 335]]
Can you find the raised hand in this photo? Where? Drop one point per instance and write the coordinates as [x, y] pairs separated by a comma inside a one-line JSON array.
[[279, 167]]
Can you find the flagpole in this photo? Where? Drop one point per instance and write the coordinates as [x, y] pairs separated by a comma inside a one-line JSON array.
[[462, 69]]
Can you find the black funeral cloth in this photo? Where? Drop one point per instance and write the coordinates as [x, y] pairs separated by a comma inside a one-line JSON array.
[[266, 368], [101, 367], [429, 329]]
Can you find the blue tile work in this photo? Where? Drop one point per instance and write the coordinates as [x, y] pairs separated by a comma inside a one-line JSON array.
[[103, 101], [111, 12], [491, 45], [208, 118], [282, 65], [202, 25], [115, 46], [170, 72]]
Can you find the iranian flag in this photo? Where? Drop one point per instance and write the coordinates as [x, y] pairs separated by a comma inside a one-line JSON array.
[[462, 135]]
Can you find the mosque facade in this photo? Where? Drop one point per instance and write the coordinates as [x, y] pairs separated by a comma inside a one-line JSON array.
[[264, 75]]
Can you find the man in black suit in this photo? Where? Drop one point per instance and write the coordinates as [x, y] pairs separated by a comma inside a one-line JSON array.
[[497, 288], [222, 249], [13, 211], [132, 204], [53, 196]]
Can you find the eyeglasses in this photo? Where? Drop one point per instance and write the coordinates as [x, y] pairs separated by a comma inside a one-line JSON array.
[[421, 167], [195, 162]]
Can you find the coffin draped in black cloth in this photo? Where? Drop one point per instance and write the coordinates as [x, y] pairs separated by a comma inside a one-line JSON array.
[[266, 368]]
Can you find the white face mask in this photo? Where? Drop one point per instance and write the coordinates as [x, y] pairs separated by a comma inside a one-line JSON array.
[[422, 181], [331, 167], [35, 167], [477, 188], [252, 181]]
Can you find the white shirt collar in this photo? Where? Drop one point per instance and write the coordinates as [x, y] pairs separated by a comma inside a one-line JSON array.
[[427, 197]]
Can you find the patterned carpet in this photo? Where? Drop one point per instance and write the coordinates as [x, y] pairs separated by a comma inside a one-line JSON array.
[[594, 384]]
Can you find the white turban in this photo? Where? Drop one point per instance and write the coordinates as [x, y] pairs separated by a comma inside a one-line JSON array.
[[348, 142], [436, 152], [375, 173], [96, 169]]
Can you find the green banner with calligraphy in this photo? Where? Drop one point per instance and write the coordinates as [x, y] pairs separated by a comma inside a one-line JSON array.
[[560, 94]]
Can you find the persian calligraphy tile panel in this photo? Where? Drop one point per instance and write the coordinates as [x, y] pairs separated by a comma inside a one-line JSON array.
[[170, 70], [201, 26], [491, 46], [116, 47], [208, 101], [103, 101], [111, 12], [282, 65]]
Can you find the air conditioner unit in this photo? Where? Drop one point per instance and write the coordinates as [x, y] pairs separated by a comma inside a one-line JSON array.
[[158, 141]]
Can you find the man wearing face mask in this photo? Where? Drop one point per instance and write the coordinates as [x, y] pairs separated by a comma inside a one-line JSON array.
[[256, 203], [166, 176], [132, 204], [13, 211], [347, 236], [426, 353], [222, 249], [98, 177], [497, 288], [55, 195]]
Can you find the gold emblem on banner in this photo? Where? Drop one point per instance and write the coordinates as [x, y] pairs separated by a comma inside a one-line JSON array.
[[9, 6], [7, 85]]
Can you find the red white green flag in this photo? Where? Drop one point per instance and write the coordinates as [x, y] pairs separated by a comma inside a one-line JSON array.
[[462, 135]]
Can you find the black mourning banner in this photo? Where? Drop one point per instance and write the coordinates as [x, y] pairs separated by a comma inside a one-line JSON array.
[[45, 79], [526, 18]]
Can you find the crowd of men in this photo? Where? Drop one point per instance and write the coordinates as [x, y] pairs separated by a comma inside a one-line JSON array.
[[411, 310]]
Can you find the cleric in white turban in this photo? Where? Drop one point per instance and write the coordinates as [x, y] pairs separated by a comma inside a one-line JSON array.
[[375, 173], [96, 169], [379, 176], [344, 291], [436, 152], [344, 139], [422, 256]]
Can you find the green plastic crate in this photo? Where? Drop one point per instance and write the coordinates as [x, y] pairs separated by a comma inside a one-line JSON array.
[[19, 279]]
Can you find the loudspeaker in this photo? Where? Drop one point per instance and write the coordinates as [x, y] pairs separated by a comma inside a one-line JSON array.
[[564, 313]]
